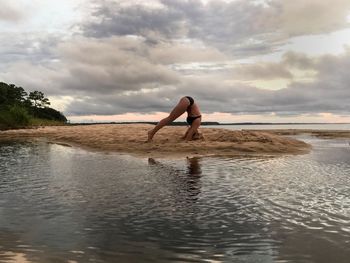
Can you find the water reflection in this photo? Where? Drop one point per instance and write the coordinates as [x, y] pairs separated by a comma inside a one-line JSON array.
[[194, 167], [11, 257], [189, 179], [194, 174], [59, 204], [205, 220]]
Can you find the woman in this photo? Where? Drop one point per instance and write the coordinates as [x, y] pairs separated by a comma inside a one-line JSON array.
[[193, 118]]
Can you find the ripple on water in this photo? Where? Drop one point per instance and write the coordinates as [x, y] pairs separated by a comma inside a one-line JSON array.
[[77, 205]]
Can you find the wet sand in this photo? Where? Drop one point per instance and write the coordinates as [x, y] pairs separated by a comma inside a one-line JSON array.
[[130, 139]]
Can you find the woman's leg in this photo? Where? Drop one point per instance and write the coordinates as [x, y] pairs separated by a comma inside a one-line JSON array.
[[193, 129], [179, 109]]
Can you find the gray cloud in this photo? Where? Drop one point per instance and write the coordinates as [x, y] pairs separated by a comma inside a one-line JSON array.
[[117, 19], [328, 93], [112, 66], [89, 67], [218, 23], [141, 59], [262, 71], [104, 79], [9, 12], [240, 28], [298, 60], [34, 48], [301, 17]]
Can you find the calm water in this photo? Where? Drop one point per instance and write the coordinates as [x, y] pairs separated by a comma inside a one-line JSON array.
[[62, 204], [331, 126]]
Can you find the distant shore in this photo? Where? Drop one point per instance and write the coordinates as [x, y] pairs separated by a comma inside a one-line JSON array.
[[326, 134], [211, 123], [130, 139]]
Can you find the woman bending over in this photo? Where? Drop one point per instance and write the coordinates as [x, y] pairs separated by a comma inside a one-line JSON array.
[[193, 118]]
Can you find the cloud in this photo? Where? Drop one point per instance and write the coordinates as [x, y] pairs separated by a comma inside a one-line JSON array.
[[196, 52], [10, 12], [212, 23], [298, 60], [34, 76], [240, 28], [301, 17], [329, 92], [85, 66], [112, 65], [117, 75], [115, 18], [291, 65], [142, 58], [261, 71], [36, 48]]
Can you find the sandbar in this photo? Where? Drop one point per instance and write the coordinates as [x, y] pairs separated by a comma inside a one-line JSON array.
[[130, 139]]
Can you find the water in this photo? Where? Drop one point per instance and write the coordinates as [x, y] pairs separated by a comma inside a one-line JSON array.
[[331, 126], [62, 204]]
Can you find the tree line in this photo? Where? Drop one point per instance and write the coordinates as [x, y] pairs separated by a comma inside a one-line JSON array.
[[19, 108]]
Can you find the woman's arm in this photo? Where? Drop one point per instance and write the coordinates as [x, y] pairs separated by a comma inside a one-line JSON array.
[[193, 129], [184, 137]]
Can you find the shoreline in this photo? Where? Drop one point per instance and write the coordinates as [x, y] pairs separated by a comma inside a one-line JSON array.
[[130, 139], [325, 134]]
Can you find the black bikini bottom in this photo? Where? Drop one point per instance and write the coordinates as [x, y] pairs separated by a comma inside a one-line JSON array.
[[191, 100], [190, 119]]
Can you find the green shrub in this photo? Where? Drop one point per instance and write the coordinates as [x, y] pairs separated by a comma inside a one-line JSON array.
[[19, 115], [16, 116], [5, 119], [45, 122]]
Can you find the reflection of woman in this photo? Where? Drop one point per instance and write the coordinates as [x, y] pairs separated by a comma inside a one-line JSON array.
[[193, 119], [190, 180], [193, 180], [194, 167]]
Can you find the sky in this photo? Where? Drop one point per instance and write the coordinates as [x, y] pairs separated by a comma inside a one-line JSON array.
[[132, 60]]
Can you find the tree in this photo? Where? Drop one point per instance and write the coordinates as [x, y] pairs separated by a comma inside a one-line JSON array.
[[38, 99], [19, 94], [49, 114], [10, 94], [17, 108]]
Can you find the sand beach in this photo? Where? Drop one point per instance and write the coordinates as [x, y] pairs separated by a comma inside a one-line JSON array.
[[130, 139]]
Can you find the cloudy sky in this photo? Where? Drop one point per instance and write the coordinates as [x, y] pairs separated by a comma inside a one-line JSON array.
[[242, 60]]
